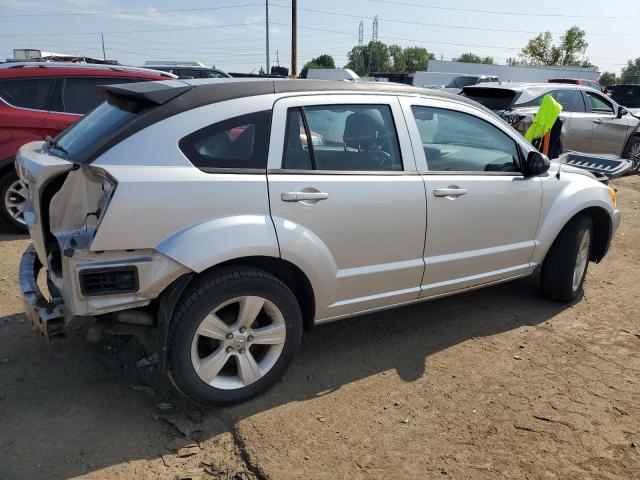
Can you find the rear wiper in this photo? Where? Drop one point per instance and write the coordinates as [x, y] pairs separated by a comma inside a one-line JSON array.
[[53, 144]]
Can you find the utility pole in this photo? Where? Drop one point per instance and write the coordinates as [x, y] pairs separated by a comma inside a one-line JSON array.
[[267, 32], [361, 33], [104, 56], [294, 35]]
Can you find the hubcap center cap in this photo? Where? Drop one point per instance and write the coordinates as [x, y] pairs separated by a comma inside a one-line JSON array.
[[239, 341]]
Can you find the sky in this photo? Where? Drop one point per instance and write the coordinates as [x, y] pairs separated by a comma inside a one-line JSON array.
[[231, 34]]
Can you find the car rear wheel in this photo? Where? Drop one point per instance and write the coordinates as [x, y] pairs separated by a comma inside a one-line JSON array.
[[13, 193], [234, 334], [565, 267], [633, 154]]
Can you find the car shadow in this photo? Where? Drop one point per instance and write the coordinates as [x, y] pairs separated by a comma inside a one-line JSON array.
[[85, 407]]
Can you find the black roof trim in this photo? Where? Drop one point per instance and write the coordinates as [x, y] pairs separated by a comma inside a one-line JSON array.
[[157, 92]]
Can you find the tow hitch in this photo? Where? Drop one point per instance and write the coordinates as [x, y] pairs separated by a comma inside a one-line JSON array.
[[49, 318]]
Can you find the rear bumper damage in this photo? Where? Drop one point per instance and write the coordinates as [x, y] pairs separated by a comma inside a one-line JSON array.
[[47, 317]]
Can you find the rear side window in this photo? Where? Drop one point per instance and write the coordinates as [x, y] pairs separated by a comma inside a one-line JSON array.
[[79, 95], [570, 99], [354, 138], [32, 93], [241, 142]]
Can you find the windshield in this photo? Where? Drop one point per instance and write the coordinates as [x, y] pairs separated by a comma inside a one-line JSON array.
[[95, 127], [495, 99], [462, 81]]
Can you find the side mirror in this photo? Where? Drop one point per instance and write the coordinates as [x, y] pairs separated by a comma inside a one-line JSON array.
[[622, 112], [535, 164]]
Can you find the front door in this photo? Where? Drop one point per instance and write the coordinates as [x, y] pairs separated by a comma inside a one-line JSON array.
[[346, 200], [482, 214], [609, 131]]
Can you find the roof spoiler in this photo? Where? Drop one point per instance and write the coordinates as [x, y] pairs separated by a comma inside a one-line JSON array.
[[155, 92]]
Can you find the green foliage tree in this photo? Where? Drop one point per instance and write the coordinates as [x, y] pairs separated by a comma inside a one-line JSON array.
[[378, 57], [397, 57], [539, 51], [473, 58], [323, 61], [416, 58], [608, 78], [631, 73], [373, 57]]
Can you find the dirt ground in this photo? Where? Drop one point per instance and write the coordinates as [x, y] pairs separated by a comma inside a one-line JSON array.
[[497, 383]]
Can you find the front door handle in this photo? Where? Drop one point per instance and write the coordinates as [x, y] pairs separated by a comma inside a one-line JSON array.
[[451, 192], [303, 196]]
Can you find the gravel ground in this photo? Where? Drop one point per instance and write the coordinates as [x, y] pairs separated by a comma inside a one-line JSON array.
[[497, 383]]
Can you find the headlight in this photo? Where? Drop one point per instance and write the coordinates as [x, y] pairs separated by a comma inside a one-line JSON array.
[[614, 197]]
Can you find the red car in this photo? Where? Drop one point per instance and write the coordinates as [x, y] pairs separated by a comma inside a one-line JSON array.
[[40, 99]]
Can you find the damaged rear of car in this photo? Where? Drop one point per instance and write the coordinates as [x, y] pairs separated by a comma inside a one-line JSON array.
[[68, 200]]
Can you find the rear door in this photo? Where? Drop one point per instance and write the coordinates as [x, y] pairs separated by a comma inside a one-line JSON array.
[[346, 199], [609, 132], [482, 213], [577, 128], [24, 104]]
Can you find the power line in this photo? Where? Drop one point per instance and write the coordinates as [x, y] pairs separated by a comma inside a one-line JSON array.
[[127, 12], [496, 12], [173, 29]]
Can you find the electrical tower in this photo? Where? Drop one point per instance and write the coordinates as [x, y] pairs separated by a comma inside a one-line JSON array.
[[374, 33], [361, 33]]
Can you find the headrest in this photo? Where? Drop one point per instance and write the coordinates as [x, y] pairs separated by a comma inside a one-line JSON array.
[[361, 131]]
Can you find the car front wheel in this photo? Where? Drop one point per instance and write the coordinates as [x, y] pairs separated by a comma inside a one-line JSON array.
[[13, 193], [633, 154], [565, 267], [234, 334]]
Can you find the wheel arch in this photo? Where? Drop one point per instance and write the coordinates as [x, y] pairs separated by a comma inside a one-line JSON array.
[[602, 229], [291, 275]]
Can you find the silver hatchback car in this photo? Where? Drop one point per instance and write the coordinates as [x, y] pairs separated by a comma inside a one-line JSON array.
[[232, 215]]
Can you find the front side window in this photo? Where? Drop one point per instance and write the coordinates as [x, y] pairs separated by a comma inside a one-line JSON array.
[[597, 104], [342, 138], [34, 93], [241, 142], [459, 142]]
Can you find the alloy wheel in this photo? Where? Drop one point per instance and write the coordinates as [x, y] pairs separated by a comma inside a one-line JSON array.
[[581, 259], [634, 156], [238, 342], [15, 200]]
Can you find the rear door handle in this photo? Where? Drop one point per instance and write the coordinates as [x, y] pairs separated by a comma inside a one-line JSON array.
[[449, 192], [303, 196], [598, 121]]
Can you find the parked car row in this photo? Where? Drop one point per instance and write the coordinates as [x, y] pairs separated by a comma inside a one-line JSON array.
[[199, 208], [592, 122]]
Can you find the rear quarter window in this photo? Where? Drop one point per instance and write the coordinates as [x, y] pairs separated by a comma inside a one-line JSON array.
[[34, 93], [238, 143]]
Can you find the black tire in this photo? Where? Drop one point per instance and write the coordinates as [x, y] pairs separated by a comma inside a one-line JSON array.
[[634, 143], [557, 277], [7, 222], [201, 298]]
